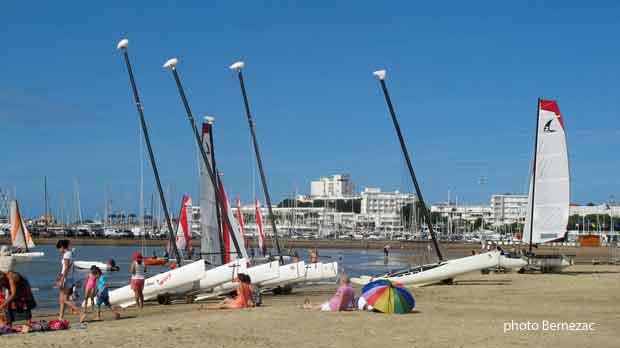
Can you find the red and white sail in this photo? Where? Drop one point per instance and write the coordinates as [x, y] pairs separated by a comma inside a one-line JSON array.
[[229, 231], [259, 224], [550, 180], [20, 236], [240, 222], [183, 235]]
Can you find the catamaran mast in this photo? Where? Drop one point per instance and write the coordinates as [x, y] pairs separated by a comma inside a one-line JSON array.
[[122, 45], [46, 207], [209, 124], [534, 177], [238, 67], [381, 76], [171, 64]]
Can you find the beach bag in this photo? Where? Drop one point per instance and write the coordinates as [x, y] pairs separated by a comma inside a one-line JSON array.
[[57, 324]]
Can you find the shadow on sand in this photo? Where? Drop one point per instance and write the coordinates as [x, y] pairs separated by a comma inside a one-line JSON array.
[[483, 282]]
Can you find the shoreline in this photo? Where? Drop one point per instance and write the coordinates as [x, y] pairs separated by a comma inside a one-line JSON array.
[[474, 311]]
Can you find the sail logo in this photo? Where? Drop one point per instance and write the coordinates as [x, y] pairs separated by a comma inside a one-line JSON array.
[[547, 128], [164, 279]]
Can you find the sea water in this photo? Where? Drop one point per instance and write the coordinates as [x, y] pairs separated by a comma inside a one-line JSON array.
[[42, 271]]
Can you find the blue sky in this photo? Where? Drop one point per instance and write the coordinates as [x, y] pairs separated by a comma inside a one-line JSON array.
[[464, 77]]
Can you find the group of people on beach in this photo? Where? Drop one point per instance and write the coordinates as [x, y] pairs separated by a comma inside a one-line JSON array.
[[19, 300]]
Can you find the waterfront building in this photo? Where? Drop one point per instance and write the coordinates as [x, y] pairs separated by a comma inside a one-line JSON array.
[[508, 208], [339, 185]]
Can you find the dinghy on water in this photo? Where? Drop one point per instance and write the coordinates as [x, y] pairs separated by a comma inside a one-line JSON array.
[[20, 237], [549, 193], [109, 266]]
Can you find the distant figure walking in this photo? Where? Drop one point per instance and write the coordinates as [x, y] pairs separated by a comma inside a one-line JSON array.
[[386, 250], [314, 256], [138, 274]]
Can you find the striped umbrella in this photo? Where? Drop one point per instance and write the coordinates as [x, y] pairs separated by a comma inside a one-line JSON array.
[[388, 297]]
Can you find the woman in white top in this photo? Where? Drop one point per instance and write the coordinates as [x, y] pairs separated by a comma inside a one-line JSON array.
[[64, 281], [138, 273]]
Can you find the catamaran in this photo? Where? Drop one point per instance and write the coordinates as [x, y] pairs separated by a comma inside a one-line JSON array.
[[442, 270], [549, 193], [21, 239]]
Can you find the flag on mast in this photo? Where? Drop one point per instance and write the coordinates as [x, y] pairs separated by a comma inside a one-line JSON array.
[[259, 223], [240, 221]]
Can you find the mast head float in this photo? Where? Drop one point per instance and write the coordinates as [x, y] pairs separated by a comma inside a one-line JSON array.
[[380, 74], [237, 66], [123, 44], [171, 63], [209, 119]]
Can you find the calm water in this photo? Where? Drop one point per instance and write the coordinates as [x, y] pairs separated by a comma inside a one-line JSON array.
[[42, 272]]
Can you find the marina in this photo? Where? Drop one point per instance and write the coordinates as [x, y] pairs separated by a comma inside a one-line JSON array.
[[276, 175]]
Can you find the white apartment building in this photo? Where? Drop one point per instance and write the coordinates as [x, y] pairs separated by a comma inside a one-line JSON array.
[[382, 205], [469, 213], [339, 185], [601, 209], [508, 209]]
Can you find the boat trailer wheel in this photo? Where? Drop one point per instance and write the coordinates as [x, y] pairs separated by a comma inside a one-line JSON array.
[[163, 299]]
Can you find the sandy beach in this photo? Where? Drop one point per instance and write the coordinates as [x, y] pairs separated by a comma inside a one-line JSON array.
[[478, 310]]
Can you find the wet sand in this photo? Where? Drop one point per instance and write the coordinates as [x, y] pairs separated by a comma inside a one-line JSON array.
[[473, 312]]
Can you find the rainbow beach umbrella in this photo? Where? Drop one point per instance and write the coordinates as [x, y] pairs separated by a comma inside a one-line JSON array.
[[388, 297]]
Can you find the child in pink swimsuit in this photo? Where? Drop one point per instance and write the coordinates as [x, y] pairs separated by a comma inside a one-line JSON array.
[[90, 289]]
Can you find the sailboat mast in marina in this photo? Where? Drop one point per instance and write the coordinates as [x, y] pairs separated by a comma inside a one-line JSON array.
[[238, 67], [122, 45], [171, 64]]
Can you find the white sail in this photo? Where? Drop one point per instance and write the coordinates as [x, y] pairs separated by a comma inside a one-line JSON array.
[[20, 236], [210, 239], [551, 184], [230, 231], [183, 236]]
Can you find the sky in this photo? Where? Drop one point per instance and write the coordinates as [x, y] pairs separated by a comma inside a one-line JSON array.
[[464, 78]]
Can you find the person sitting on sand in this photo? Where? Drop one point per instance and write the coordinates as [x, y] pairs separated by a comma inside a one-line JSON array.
[[103, 296], [19, 302], [342, 300], [244, 295]]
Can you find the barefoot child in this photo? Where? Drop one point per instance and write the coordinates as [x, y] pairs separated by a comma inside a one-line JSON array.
[[90, 288], [103, 297]]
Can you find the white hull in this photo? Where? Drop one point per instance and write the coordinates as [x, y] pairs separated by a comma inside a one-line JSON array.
[[258, 275], [316, 272], [551, 264], [27, 256], [163, 283], [511, 263], [434, 273], [288, 274], [86, 265]]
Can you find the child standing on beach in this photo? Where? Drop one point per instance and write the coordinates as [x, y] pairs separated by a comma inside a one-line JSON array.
[[103, 297], [90, 288]]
